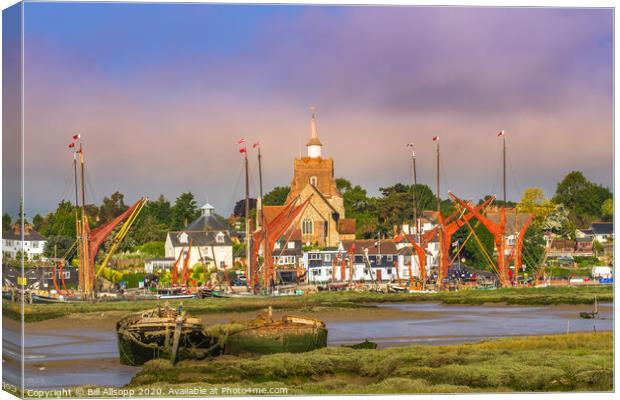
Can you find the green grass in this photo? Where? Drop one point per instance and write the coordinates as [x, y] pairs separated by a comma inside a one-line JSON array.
[[575, 362], [521, 296]]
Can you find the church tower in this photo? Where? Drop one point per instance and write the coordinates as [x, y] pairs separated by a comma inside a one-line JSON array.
[[323, 221]]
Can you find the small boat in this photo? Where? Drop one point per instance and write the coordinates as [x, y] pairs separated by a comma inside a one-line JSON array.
[[175, 294], [396, 288], [162, 332], [590, 315], [366, 344], [39, 299]]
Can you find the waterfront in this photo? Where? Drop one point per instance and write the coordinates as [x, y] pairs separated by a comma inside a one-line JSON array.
[[81, 349]]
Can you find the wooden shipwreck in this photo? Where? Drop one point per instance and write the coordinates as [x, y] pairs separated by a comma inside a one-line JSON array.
[[167, 333]]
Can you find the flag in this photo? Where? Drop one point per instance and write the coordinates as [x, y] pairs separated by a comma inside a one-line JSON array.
[[243, 150], [435, 138], [76, 136], [501, 133], [455, 243], [255, 145], [240, 141], [71, 145]]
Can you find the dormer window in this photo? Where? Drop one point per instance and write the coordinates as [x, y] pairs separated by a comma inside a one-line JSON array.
[[313, 180], [219, 238], [183, 237]]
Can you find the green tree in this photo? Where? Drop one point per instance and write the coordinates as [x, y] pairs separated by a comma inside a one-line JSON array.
[[37, 222], [59, 245], [160, 209], [61, 222], [395, 206], [277, 196], [112, 207], [582, 198], [472, 252], [184, 211], [607, 209], [535, 203], [343, 185], [6, 222], [533, 247], [147, 229]]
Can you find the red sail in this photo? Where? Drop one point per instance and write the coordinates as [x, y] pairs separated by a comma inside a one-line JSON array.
[[98, 235]]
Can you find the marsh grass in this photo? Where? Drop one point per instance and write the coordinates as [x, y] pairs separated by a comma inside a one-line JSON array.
[[326, 300], [575, 362]]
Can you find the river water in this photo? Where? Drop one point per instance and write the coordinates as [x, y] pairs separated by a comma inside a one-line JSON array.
[[75, 351]]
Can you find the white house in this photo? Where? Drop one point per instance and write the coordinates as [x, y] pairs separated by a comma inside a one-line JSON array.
[[210, 239], [32, 244]]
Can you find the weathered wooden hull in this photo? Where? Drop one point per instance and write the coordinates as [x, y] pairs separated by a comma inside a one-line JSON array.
[[291, 335], [150, 335]]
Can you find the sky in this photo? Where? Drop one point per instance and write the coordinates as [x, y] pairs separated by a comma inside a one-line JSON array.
[[162, 92]]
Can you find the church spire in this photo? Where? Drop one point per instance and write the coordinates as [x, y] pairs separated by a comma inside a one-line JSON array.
[[314, 144]]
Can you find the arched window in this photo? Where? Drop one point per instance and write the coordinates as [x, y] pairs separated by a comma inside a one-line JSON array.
[[306, 226], [313, 180]]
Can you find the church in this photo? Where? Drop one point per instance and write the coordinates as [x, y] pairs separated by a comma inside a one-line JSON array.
[[323, 221]]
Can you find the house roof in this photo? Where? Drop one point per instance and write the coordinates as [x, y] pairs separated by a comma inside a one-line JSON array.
[[30, 235], [199, 238], [387, 246], [209, 223], [347, 226], [602, 228]]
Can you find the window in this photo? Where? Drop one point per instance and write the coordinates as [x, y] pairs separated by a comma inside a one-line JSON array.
[[35, 245], [66, 274], [328, 257], [315, 256], [389, 258], [290, 245], [222, 264], [277, 245], [313, 180], [306, 226], [183, 237], [389, 271]]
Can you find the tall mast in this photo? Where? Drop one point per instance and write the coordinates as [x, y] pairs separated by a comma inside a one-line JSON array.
[[504, 163], [262, 214], [248, 253], [439, 233], [415, 204]]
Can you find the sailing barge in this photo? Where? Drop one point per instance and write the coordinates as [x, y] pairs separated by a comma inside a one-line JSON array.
[[167, 333]]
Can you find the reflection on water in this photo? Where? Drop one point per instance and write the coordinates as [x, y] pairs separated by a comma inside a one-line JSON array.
[[85, 353], [434, 323]]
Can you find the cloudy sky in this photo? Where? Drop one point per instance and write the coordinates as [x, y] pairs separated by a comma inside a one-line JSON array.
[[161, 93]]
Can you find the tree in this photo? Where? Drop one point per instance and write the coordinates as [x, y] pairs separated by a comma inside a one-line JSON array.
[[61, 222], [535, 203], [112, 207], [160, 209], [343, 185], [148, 230], [277, 196], [582, 198], [37, 222], [184, 211], [395, 206], [473, 254], [59, 246], [6, 222], [607, 210], [533, 247], [557, 221]]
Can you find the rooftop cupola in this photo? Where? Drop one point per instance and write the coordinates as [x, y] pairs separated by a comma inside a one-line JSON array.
[[314, 144], [207, 210]]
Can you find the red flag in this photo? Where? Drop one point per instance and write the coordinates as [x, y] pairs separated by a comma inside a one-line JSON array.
[[243, 150], [71, 145], [435, 138], [76, 136], [501, 133], [255, 145], [241, 141]]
